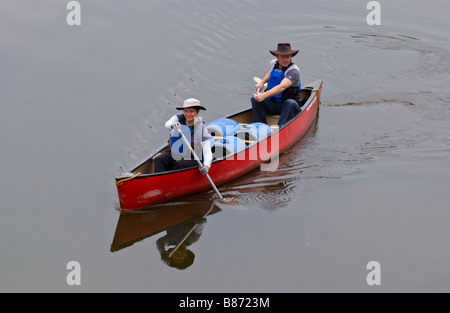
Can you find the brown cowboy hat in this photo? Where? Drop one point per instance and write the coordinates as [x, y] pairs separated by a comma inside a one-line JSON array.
[[284, 49]]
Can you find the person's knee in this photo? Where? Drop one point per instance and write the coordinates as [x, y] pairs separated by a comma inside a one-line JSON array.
[[292, 105], [254, 102], [159, 164], [159, 160]]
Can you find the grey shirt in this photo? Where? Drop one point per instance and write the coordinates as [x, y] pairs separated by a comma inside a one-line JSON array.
[[292, 72]]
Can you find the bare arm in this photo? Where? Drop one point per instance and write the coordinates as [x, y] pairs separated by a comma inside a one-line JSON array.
[[285, 83], [260, 85]]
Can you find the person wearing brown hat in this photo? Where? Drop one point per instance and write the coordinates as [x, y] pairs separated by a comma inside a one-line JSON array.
[[195, 131], [282, 96]]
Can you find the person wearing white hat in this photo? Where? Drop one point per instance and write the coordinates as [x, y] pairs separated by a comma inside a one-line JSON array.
[[199, 138], [282, 96]]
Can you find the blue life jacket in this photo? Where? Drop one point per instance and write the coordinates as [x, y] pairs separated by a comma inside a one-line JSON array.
[[293, 92], [176, 143]]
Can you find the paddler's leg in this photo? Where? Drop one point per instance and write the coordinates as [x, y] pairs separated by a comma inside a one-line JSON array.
[[184, 164], [259, 112], [164, 162], [261, 109], [288, 110]]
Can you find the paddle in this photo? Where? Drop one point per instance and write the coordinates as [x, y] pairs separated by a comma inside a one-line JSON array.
[[258, 80], [213, 203], [192, 229], [232, 203], [198, 161]]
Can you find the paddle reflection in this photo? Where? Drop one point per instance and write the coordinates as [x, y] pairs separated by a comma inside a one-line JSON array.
[[173, 247], [182, 222]]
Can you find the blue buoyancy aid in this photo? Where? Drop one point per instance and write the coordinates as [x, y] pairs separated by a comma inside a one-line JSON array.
[[177, 145], [276, 76]]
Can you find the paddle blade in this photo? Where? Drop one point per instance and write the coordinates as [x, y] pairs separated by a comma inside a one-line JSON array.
[[258, 80], [224, 203]]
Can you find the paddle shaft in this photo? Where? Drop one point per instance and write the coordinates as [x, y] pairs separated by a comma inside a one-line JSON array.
[[191, 230], [198, 161]]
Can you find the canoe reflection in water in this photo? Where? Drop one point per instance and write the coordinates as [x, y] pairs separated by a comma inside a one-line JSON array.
[[183, 223]]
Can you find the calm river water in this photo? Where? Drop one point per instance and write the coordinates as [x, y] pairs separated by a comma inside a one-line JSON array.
[[368, 182]]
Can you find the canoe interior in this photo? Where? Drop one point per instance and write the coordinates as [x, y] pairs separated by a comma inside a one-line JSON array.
[[244, 117]]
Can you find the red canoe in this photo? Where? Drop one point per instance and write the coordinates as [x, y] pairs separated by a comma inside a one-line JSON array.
[[141, 187]]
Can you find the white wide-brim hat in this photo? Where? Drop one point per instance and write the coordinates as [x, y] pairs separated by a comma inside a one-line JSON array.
[[191, 103]]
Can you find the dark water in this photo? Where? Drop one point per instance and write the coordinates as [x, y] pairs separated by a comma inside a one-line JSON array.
[[368, 182]]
